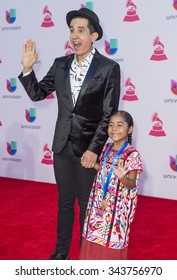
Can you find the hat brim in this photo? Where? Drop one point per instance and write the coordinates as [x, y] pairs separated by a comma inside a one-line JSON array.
[[75, 13]]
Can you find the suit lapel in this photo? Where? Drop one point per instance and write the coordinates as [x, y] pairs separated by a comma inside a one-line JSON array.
[[68, 94], [92, 69], [67, 97]]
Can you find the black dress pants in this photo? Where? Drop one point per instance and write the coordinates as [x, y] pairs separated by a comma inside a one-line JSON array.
[[73, 181]]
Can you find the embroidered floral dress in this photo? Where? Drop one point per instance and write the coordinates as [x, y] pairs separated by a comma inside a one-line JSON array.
[[110, 226]]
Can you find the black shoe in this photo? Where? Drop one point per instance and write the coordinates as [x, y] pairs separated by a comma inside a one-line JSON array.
[[57, 256]]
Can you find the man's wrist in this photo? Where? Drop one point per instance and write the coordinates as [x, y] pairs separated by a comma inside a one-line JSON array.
[[27, 70], [26, 73]]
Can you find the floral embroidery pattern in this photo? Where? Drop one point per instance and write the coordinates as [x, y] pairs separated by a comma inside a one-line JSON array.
[[110, 227]]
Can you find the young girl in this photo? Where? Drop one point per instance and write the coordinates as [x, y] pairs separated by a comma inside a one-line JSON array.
[[112, 202]]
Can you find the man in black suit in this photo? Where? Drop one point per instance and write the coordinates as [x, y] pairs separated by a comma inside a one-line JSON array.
[[87, 86]]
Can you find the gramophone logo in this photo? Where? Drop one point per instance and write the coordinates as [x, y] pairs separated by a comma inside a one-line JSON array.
[[157, 129], [68, 48], [88, 5], [111, 47], [12, 148], [129, 91], [11, 84], [158, 54], [173, 163], [11, 16], [47, 22], [174, 87], [175, 4], [131, 12], [47, 159], [30, 115]]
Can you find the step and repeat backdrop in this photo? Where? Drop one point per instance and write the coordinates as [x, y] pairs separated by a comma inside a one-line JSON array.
[[139, 35]]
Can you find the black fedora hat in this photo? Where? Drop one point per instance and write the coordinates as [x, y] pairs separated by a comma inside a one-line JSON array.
[[88, 14]]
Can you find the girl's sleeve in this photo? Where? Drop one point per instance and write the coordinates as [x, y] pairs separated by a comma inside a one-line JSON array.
[[135, 162], [105, 148]]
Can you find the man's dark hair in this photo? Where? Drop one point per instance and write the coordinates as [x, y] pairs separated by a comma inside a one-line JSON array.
[[90, 26]]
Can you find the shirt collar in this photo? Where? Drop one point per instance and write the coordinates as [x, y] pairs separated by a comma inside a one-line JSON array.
[[87, 60]]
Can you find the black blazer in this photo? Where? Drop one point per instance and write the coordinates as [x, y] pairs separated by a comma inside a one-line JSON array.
[[87, 122]]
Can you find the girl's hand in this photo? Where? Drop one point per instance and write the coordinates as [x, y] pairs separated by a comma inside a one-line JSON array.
[[96, 166], [121, 170]]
